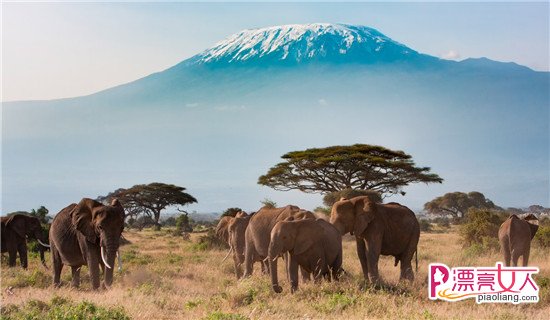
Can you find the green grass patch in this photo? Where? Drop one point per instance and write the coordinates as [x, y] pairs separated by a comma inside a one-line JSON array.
[[218, 315], [61, 308]]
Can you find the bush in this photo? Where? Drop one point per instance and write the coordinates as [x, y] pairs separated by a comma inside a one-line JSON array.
[[425, 225], [542, 237], [210, 241], [478, 225], [183, 224], [168, 222], [442, 222], [61, 308]]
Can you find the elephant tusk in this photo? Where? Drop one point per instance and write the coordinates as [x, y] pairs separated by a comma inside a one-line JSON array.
[[42, 243], [228, 253], [119, 261], [266, 259], [103, 258]]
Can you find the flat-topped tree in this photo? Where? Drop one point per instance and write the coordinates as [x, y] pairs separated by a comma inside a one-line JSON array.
[[359, 166], [457, 204], [151, 199]]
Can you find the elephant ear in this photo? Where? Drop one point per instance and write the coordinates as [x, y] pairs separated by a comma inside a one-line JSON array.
[[533, 224], [82, 218], [18, 224], [301, 247], [116, 203], [365, 211]]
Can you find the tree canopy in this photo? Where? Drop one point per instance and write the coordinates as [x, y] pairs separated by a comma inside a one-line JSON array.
[[150, 199], [359, 166], [458, 203]]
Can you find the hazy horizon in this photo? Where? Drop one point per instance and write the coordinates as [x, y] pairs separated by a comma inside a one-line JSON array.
[[64, 50]]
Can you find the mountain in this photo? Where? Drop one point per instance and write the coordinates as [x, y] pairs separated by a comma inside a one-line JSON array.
[[217, 121], [292, 44]]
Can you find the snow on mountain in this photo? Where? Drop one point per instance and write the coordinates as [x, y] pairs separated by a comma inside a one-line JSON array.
[[306, 42]]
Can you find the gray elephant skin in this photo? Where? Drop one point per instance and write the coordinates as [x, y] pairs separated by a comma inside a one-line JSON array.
[[387, 229], [313, 245], [515, 236], [14, 233], [87, 233]]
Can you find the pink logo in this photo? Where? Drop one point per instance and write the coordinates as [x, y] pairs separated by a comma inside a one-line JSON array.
[[486, 284]]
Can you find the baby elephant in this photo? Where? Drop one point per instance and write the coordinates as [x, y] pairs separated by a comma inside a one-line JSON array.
[[314, 245], [515, 235]]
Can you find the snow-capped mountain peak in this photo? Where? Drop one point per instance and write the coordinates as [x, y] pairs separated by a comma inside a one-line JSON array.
[[307, 42]]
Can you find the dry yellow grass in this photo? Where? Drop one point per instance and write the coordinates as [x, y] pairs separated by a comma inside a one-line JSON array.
[[165, 277]]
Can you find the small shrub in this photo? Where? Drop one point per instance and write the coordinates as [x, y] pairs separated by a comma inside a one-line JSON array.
[[479, 223], [218, 315], [210, 241], [542, 237], [133, 257], [61, 308], [29, 278], [337, 302], [268, 203], [192, 304], [442, 222], [425, 225]]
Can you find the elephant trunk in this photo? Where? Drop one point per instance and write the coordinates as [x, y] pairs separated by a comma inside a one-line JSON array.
[[42, 259], [273, 255], [108, 255]]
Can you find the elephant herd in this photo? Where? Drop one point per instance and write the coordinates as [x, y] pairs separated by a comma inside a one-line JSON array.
[[88, 233], [315, 246]]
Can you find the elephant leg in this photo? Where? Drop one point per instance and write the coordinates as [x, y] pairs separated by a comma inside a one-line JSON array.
[[76, 276], [267, 266], [505, 250], [362, 254], [22, 250], [373, 254], [93, 267], [57, 266], [306, 276], [293, 274], [526, 257], [12, 256], [337, 267], [248, 260], [515, 258], [238, 272]]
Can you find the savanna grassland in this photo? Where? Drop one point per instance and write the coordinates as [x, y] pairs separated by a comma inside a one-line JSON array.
[[166, 277]]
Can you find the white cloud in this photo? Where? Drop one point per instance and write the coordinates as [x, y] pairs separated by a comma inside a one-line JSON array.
[[322, 102], [192, 105], [451, 55]]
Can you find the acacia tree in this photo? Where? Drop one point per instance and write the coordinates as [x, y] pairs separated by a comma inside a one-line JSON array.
[[359, 166], [457, 203], [150, 199]]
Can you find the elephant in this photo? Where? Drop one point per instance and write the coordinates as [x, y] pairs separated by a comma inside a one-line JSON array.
[[223, 224], [515, 235], [314, 245], [387, 229], [87, 233], [236, 229], [15, 230], [258, 233]]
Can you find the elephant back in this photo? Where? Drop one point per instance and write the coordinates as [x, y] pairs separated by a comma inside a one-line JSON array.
[[262, 222]]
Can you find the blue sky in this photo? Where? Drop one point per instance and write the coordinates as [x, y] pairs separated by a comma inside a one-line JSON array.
[[56, 50]]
